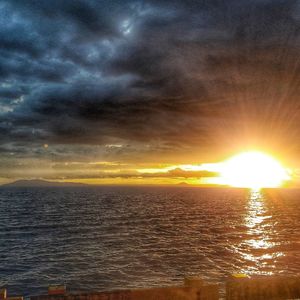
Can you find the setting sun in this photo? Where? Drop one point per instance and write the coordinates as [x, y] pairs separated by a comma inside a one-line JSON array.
[[253, 169]]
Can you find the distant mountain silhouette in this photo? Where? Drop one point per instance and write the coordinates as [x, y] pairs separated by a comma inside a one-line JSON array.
[[183, 183], [41, 183]]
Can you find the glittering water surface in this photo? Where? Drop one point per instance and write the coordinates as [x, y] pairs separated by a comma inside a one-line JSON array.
[[124, 237]]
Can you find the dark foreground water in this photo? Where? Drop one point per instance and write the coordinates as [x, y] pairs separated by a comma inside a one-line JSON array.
[[124, 237]]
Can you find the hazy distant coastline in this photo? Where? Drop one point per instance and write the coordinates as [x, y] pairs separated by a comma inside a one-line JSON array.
[[44, 183], [41, 183]]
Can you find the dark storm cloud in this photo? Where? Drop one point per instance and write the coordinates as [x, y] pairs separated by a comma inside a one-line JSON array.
[[165, 74]]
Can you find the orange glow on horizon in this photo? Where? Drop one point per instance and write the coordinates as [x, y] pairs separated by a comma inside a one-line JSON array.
[[252, 169]]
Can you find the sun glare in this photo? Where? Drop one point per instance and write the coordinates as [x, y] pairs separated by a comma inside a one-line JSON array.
[[253, 169]]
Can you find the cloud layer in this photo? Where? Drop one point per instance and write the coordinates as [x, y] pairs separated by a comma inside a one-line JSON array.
[[154, 77]]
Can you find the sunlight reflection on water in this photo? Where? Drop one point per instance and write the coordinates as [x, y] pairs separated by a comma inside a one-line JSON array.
[[260, 231], [132, 237]]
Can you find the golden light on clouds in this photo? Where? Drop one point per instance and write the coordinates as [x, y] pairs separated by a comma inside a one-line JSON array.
[[248, 169], [253, 169]]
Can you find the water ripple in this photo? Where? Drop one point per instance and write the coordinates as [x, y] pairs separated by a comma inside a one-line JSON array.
[[108, 238]]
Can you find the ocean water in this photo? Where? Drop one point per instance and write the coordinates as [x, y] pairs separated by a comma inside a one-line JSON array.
[[106, 238]]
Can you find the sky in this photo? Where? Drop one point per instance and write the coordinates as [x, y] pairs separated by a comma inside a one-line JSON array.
[[144, 91]]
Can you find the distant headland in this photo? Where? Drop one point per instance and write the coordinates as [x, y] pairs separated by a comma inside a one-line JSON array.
[[41, 183]]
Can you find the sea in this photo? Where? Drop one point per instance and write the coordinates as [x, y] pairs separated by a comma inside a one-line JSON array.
[[106, 238]]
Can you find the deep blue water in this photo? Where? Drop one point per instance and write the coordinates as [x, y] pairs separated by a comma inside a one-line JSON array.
[[122, 237]]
